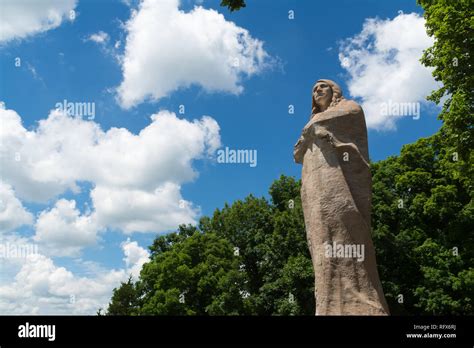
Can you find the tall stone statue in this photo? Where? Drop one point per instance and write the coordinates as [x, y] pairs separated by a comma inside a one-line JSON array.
[[336, 196]]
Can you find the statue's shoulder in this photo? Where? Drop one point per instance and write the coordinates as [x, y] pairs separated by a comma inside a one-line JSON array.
[[349, 106], [343, 109]]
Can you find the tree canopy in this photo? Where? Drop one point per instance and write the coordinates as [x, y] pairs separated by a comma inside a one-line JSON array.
[[251, 258]]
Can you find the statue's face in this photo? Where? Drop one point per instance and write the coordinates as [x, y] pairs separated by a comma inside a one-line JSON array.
[[322, 94]]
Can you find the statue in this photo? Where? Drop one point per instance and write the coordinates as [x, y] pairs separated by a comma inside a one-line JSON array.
[[336, 197]]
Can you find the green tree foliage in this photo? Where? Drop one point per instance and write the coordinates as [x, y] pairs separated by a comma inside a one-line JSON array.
[[251, 257], [191, 273], [423, 218], [124, 300], [452, 25], [233, 5]]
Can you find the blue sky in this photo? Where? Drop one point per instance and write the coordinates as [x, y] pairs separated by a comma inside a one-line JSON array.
[[63, 63]]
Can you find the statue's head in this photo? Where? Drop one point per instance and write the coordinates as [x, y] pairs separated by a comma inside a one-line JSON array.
[[326, 93]]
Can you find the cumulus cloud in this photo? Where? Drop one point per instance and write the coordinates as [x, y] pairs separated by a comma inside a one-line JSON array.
[[384, 67], [41, 287], [32, 283], [160, 210], [22, 18], [14, 249], [28, 175], [135, 257], [167, 49], [64, 231], [12, 212], [136, 177], [44, 162]]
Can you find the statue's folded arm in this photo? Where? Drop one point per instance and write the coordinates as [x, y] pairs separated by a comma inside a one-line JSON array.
[[318, 129]]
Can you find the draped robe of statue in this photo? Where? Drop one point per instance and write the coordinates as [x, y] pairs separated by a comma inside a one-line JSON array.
[[336, 199]]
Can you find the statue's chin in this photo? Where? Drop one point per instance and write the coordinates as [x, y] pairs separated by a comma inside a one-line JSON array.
[[322, 104]]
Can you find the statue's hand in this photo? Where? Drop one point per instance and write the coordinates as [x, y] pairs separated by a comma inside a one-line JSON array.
[[298, 151], [308, 130], [322, 133]]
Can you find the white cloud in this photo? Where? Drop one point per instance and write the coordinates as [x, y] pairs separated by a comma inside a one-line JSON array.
[[383, 64], [36, 162], [14, 249], [41, 287], [167, 49], [64, 231], [12, 212], [99, 37], [136, 177], [135, 257], [139, 210], [22, 18], [34, 284]]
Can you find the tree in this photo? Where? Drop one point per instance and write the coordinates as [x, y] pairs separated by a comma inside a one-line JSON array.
[[451, 24], [124, 300], [189, 276], [422, 220]]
